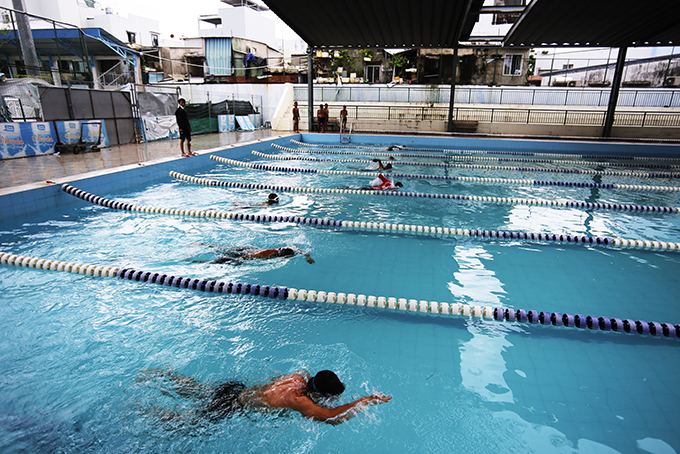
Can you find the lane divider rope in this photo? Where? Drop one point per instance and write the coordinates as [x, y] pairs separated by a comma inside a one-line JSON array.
[[361, 225], [511, 200], [623, 173], [486, 313], [510, 153], [471, 179]]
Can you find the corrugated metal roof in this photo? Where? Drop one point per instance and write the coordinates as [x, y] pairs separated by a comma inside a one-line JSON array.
[[599, 23], [379, 23]]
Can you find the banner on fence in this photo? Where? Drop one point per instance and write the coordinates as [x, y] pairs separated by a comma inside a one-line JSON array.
[[160, 127], [18, 140], [69, 132], [245, 123], [226, 123]]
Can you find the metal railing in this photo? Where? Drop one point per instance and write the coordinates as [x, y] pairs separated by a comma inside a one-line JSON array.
[[535, 116], [531, 96]]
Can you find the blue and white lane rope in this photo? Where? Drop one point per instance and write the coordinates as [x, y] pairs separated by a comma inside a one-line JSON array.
[[506, 153], [510, 200], [619, 173], [486, 313], [380, 227], [470, 179]]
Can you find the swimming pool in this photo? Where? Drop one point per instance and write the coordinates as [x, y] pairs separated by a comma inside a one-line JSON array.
[[76, 345]]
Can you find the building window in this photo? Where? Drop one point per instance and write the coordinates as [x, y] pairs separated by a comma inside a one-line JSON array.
[[513, 65], [373, 74], [154, 40], [132, 37]]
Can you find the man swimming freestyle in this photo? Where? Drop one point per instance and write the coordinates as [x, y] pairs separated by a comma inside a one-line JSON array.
[[299, 392]]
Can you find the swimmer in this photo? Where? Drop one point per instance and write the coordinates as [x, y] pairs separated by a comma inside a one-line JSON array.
[[238, 255], [394, 147], [382, 184], [273, 199], [376, 164], [299, 392]]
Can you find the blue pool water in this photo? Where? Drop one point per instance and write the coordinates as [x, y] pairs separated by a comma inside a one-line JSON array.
[[75, 347]]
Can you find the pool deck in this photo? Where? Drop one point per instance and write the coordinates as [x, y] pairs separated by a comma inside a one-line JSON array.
[[25, 173]]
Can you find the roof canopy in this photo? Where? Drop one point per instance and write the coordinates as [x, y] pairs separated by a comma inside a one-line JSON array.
[[379, 23], [597, 23]]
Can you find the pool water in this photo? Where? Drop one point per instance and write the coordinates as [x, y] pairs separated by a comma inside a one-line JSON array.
[[75, 347]]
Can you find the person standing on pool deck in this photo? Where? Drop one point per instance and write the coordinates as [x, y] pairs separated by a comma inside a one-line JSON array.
[[184, 128], [296, 117], [299, 392], [343, 117], [326, 116], [320, 118]]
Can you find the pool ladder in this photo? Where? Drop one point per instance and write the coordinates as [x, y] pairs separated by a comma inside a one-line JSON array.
[[346, 135]]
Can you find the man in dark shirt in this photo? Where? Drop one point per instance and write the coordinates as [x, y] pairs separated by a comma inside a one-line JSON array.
[[184, 128]]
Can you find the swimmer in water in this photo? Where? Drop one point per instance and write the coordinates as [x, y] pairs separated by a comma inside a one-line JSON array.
[[394, 147], [299, 392], [382, 184], [273, 199], [238, 255], [375, 164]]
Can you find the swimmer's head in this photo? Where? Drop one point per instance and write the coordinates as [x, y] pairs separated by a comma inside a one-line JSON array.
[[391, 158], [398, 185], [273, 198], [326, 383], [285, 252], [388, 166]]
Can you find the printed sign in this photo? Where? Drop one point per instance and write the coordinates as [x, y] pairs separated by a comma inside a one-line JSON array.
[[226, 123]]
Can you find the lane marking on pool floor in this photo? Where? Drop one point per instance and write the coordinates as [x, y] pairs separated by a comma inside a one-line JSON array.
[[507, 153], [459, 178], [474, 198], [486, 313], [380, 227], [521, 169]]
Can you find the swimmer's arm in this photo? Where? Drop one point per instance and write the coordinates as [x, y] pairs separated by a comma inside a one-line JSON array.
[[309, 409], [308, 257]]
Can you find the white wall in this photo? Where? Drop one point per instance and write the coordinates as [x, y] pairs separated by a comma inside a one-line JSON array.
[[243, 22], [73, 13]]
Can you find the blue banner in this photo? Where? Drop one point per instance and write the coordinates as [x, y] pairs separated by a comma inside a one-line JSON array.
[[69, 132], [18, 140], [226, 123]]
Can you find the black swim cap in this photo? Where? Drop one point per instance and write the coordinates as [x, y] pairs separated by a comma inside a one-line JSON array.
[[286, 252], [273, 197], [326, 383]]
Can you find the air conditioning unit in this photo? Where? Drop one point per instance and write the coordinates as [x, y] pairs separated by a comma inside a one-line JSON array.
[[672, 81]]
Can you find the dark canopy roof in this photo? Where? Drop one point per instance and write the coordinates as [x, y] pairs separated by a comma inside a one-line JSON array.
[[379, 23], [597, 23]]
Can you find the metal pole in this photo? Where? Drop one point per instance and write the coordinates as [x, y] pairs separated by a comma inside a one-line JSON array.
[[310, 88], [455, 63], [30, 57], [614, 95]]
